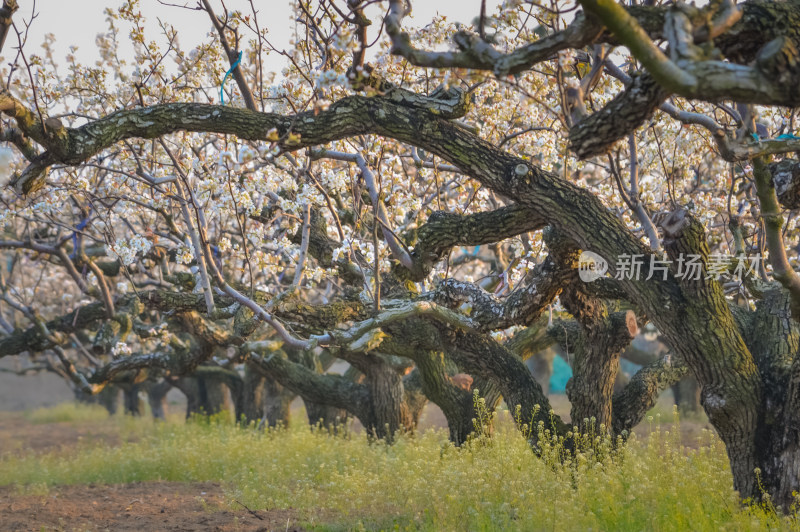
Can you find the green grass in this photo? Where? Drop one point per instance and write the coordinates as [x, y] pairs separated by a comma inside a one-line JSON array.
[[67, 412], [423, 482]]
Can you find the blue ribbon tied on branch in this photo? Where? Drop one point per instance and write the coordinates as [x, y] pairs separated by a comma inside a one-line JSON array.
[[227, 74], [785, 136], [80, 227]]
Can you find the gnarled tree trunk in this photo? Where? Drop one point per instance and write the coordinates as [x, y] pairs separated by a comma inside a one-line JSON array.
[[277, 400], [252, 394], [452, 395], [157, 398], [108, 398], [264, 400], [132, 403], [205, 395], [328, 417], [774, 339], [390, 413]]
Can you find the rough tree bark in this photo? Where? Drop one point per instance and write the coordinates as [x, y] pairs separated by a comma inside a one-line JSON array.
[[774, 339], [597, 349], [455, 400], [387, 411]]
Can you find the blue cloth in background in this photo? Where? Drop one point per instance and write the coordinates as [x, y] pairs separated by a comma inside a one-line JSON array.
[[562, 373]]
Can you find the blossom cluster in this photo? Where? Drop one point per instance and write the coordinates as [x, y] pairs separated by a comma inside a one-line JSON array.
[[126, 250]]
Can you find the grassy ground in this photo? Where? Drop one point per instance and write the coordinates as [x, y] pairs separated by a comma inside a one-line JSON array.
[[312, 480]]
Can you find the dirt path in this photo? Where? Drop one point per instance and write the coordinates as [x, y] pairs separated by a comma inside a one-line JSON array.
[[20, 435], [141, 506]]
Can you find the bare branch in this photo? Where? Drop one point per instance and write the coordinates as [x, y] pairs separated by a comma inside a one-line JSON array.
[[301, 260], [524, 306], [380, 210], [475, 53], [638, 209], [101, 282], [232, 56], [199, 256]]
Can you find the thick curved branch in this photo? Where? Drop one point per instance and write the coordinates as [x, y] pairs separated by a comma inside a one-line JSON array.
[[23, 144], [532, 339], [27, 121], [206, 330], [363, 334], [524, 306], [345, 118], [481, 355], [476, 53], [32, 338], [329, 389], [478, 355], [730, 148], [598, 132], [591, 138], [149, 361], [166, 300], [86, 316], [773, 222], [444, 231], [180, 361], [786, 178], [315, 319], [737, 150], [641, 393], [686, 72]]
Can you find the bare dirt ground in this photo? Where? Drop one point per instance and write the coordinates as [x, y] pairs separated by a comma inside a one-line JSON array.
[[141, 506], [18, 434]]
